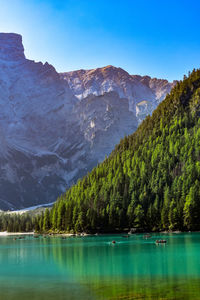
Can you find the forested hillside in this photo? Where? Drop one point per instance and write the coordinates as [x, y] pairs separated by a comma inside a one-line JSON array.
[[150, 181]]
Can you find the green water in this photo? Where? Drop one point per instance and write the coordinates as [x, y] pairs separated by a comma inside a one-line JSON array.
[[92, 268]]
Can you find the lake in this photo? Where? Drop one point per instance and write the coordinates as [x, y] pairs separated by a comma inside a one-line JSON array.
[[92, 268]]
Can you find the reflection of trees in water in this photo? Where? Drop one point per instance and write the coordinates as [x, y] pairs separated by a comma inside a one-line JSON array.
[[93, 268], [68, 256], [129, 269]]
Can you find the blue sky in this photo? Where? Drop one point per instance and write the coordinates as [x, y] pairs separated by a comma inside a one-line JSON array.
[[148, 37]]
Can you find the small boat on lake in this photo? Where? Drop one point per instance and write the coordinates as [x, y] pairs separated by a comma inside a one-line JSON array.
[[113, 242], [161, 242]]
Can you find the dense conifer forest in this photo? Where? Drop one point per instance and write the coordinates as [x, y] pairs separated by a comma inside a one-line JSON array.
[[16, 222], [151, 180]]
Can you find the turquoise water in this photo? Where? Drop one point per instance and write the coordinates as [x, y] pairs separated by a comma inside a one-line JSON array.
[[92, 268]]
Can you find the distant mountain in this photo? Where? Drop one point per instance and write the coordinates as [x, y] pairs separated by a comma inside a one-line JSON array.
[[143, 92]]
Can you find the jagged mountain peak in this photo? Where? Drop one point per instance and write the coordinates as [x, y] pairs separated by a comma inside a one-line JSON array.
[[107, 70], [135, 88], [12, 55], [104, 71]]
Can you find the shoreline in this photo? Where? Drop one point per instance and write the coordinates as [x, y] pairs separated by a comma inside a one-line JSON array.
[[5, 233]]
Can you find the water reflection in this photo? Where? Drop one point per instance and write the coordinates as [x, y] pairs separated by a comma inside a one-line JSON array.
[[94, 268], [134, 265], [88, 257]]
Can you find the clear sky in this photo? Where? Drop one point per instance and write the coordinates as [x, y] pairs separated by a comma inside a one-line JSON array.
[[160, 38]]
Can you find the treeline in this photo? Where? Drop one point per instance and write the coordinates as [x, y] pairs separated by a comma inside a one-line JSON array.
[[16, 222], [151, 180]]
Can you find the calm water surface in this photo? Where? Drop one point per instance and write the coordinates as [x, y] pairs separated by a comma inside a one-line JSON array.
[[92, 268]]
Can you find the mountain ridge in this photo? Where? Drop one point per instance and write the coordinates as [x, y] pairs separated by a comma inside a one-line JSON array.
[[48, 137], [135, 88]]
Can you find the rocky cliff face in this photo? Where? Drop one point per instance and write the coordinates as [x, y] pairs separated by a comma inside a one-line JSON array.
[[37, 128], [143, 92], [11, 48], [48, 137], [103, 121], [159, 87], [54, 128]]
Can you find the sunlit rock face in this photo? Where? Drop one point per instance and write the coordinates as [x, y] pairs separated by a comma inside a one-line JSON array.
[[133, 87]]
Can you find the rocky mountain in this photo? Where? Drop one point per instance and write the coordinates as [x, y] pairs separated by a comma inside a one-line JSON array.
[[54, 128], [143, 92], [104, 120], [37, 127], [48, 137]]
